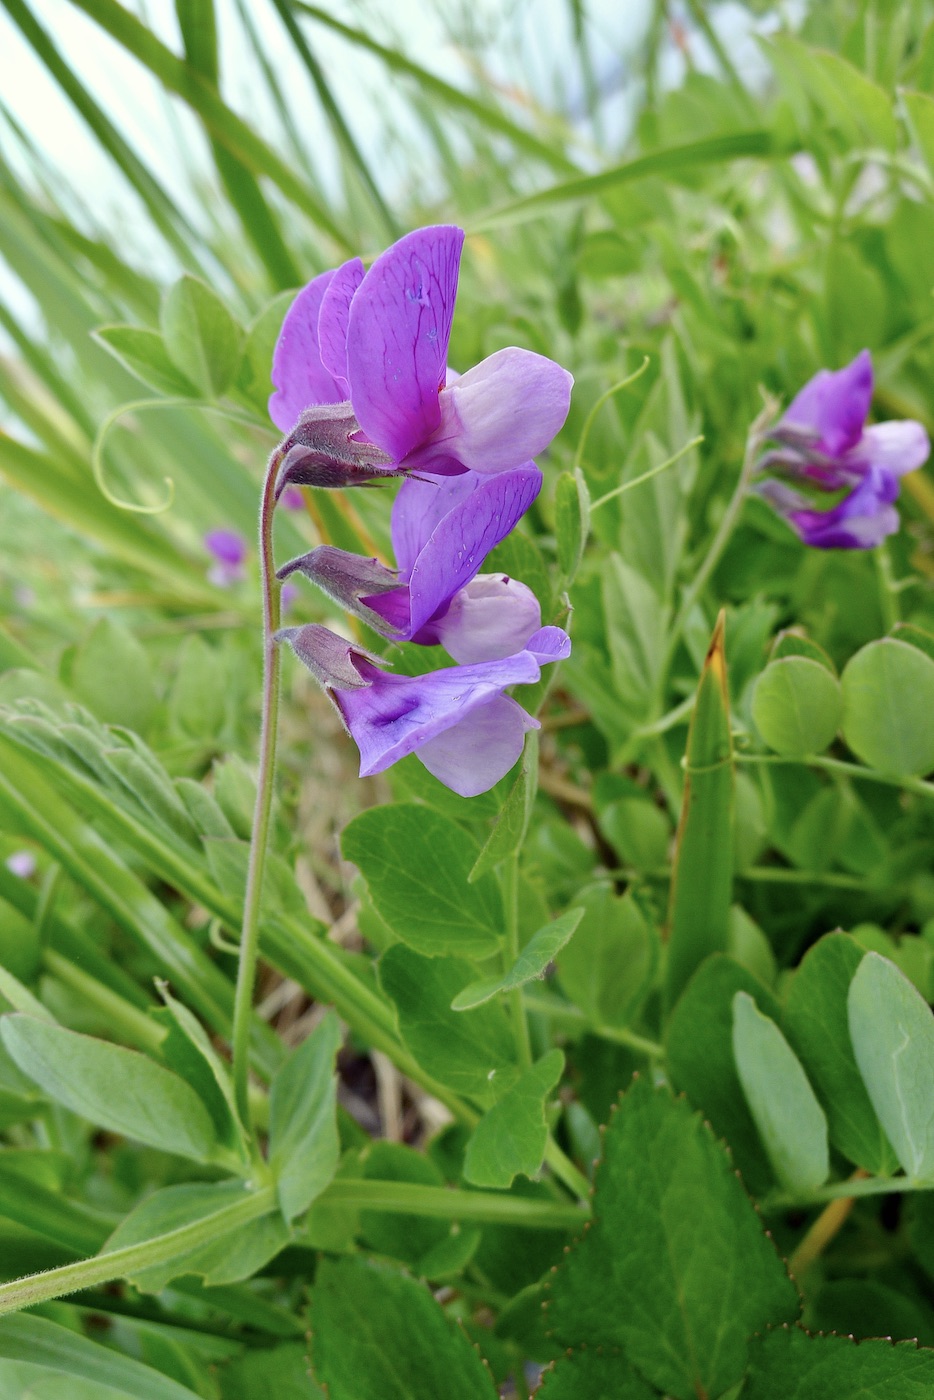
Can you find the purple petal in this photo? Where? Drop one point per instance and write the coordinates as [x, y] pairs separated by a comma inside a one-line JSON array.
[[493, 617], [443, 533], [896, 447], [861, 520], [500, 413], [396, 715], [474, 754], [397, 338], [550, 644], [834, 405], [332, 320], [226, 545], [300, 378]]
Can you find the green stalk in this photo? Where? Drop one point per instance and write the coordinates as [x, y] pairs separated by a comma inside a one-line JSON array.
[[443, 1203], [259, 845], [121, 1263], [517, 1014], [919, 786]]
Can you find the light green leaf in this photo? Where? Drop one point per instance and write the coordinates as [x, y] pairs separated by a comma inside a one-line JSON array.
[[892, 1030], [215, 1086], [797, 705], [304, 1147], [572, 521], [143, 353], [24, 1337], [540, 950], [417, 865], [114, 1088], [201, 336], [111, 674], [511, 1136], [790, 1121], [888, 700], [608, 967], [919, 107]]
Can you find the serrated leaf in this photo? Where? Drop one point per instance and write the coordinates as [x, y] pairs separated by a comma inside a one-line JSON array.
[[467, 1050], [510, 1138], [512, 823], [143, 353], [791, 1122], [417, 865], [814, 1019], [675, 1268], [377, 1334], [892, 1030], [788, 1364], [541, 949], [117, 1089], [304, 1147], [586, 1374], [201, 336], [229, 1257]]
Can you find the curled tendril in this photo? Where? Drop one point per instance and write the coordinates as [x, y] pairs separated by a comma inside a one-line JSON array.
[[589, 421], [137, 406], [217, 940]]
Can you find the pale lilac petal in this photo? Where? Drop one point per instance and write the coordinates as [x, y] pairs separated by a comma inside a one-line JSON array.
[[474, 754], [500, 413], [397, 338], [300, 378], [861, 520], [493, 617], [396, 715], [332, 320], [834, 405], [21, 863], [550, 644], [421, 502], [897, 447]]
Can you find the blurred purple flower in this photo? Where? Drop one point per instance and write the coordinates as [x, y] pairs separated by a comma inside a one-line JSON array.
[[362, 384], [292, 498], [442, 531], [21, 863], [824, 442], [229, 550], [287, 597], [457, 721]]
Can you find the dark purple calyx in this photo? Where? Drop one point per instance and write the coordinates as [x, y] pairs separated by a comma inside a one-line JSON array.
[[348, 579], [333, 661], [327, 448]]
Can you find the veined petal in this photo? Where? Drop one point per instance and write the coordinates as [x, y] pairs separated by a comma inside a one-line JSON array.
[[500, 413], [493, 617], [861, 520], [549, 644], [834, 405], [332, 320], [397, 338], [475, 753], [298, 371], [897, 447], [396, 715]]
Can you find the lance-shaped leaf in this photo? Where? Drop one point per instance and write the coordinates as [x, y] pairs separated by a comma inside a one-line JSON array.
[[304, 1147], [541, 948], [46, 1347], [702, 882]]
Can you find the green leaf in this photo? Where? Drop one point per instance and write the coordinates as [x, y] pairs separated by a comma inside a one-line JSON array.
[[206, 1072], [417, 866], [512, 823], [792, 643], [913, 635], [636, 624], [541, 949], [675, 1267], [846, 99], [228, 1257], [787, 1364], [143, 353], [201, 337], [702, 879], [920, 109], [797, 705], [511, 1136], [608, 968], [888, 699], [572, 521], [699, 1051], [281, 1371], [464, 1049], [304, 1147], [25, 1337], [791, 1122], [377, 1334], [814, 1018], [892, 1030], [593, 1375], [199, 702], [114, 1088], [110, 673]]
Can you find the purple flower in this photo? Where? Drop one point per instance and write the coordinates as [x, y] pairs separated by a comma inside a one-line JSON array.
[[21, 863], [458, 721], [825, 443], [363, 388], [229, 550], [442, 531]]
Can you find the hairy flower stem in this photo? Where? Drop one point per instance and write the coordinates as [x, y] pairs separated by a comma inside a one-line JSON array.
[[259, 844]]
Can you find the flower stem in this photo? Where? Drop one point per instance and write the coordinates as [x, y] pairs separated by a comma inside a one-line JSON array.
[[517, 1015], [249, 937]]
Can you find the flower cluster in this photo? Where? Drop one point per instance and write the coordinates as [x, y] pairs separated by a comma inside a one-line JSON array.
[[824, 444], [363, 391]]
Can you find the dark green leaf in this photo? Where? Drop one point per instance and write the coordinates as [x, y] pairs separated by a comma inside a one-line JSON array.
[[594, 1375], [511, 1136], [607, 968], [789, 1365], [304, 1147]]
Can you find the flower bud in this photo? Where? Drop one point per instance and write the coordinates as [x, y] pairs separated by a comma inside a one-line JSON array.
[[347, 578], [327, 449], [333, 661]]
